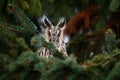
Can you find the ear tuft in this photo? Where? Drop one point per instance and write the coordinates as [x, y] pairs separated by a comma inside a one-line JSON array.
[[46, 22], [62, 22]]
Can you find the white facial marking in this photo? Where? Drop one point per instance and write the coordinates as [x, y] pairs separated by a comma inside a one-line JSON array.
[[66, 39], [58, 32]]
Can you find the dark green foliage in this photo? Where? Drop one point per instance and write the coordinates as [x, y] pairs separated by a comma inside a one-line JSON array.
[[28, 63], [23, 19], [22, 67], [100, 24], [37, 41], [114, 5], [114, 73], [19, 41], [35, 8], [110, 41]]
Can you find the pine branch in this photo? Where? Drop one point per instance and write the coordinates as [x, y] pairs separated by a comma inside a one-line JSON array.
[[114, 5], [91, 35], [22, 18], [10, 27]]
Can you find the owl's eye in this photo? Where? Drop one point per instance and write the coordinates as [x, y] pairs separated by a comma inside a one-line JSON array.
[[49, 32], [57, 39], [50, 40]]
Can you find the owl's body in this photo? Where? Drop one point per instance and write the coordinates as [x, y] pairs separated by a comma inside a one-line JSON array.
[[53, 34]]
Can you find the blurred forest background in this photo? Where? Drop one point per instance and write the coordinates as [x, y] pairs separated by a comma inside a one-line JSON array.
[[93, 55]]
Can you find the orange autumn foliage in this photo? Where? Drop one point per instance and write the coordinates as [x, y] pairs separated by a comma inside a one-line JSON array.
[[81, 20]]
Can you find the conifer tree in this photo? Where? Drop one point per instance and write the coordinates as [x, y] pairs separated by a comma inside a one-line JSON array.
[[19, 40]]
